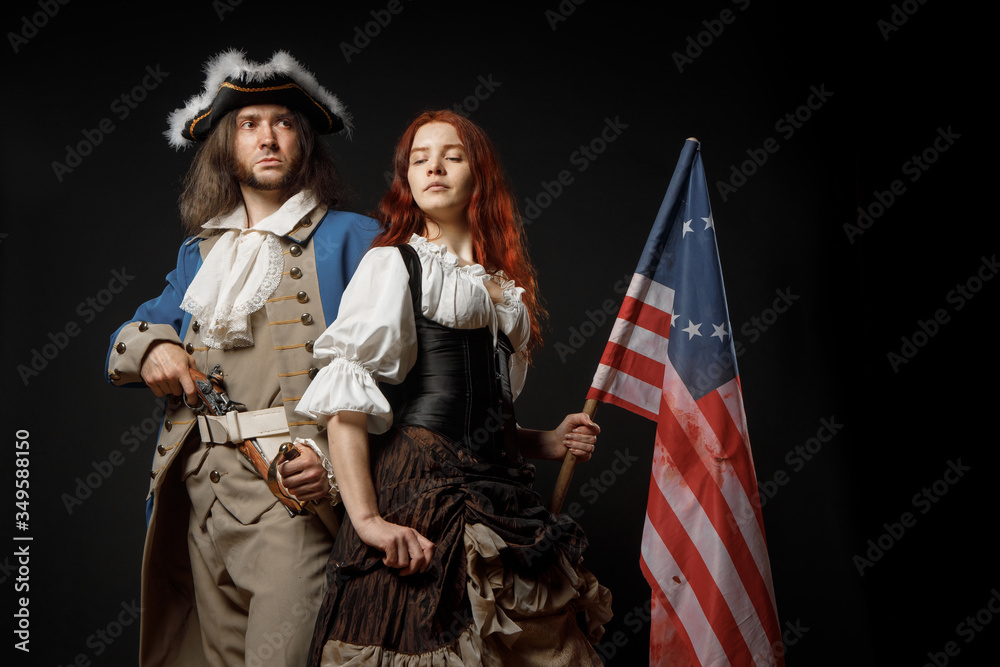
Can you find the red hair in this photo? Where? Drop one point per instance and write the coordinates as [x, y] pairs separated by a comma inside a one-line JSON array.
[[494, 222]]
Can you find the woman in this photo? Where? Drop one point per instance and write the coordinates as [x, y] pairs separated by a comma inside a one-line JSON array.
[[448, 557]]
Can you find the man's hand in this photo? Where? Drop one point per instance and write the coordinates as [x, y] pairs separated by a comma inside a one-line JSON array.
[[304, 476], [165, 370]]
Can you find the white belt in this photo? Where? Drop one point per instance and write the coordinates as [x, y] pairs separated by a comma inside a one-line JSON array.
[[240, 426]]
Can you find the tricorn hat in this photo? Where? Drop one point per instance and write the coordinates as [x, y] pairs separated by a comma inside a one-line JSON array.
[[232, 82]]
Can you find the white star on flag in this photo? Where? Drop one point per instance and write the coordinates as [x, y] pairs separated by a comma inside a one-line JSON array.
[[692, 329], [720, 331]]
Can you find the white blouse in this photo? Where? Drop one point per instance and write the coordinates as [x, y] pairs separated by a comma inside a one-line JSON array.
[[374, 337]]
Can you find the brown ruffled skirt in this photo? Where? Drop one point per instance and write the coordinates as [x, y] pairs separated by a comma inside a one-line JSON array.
[[506, 585]]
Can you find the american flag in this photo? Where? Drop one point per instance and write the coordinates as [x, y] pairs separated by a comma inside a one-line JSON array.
[[671, 359]]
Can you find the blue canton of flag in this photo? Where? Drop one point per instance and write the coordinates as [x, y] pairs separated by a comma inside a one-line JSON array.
[[701, 344]]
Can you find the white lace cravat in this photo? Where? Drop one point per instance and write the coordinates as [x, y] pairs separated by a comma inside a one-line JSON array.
[[241, 272]]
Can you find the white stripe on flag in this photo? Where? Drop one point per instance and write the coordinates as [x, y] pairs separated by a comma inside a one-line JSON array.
[[732, 396], [663, 567], [637, 339], [712, 549], [696, 522], [627, 388], [708, 447], [651, 292]]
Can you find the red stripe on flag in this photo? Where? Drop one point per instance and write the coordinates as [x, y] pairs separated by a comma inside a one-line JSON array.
[[645, 315], [698, 576], [633, 363], [665, 640], [611, 399], [729, 435], [699, 480]]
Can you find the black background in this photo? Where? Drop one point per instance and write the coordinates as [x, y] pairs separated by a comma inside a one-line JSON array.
[[558, 73]]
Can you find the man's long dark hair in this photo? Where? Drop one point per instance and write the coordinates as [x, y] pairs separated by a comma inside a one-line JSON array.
[[211, 187]]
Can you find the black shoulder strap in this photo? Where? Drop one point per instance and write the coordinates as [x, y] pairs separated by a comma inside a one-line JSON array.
[[412, 262]]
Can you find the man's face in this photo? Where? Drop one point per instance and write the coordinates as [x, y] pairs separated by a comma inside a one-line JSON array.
[[266, 150]]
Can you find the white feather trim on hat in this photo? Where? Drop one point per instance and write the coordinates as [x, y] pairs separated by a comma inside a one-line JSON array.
[[232, 64]]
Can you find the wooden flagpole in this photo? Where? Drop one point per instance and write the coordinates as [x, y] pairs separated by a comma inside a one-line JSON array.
[[566, 472]]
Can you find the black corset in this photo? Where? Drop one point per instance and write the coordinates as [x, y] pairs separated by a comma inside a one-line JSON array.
[[459, 385]]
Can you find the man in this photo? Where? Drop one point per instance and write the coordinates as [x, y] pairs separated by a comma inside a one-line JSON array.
[[230, 576]]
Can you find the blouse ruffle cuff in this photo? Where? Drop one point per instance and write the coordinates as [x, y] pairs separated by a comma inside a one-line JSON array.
[[512, 314], [346, 385]]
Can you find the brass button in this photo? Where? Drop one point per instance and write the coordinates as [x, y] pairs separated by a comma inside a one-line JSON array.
[[309, 345], [152, 474], [306, 222], [312, 373], [120, 348], [196, 326], [295, 250], [307, 319], [302, 297], [215, 476], [189, 347], [167, 425], [143, 326], [161, 450], [295, 272], [115, 376]]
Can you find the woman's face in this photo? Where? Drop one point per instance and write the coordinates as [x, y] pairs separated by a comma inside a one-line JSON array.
[[439, 174]]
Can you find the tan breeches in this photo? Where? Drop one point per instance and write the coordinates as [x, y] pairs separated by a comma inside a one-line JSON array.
[[258, 586]]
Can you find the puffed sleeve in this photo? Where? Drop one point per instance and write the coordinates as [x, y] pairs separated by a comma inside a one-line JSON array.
[[372, 340], [514, 320]]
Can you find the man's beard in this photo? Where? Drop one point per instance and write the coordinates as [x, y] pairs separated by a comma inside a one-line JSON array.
[[245, 176]]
